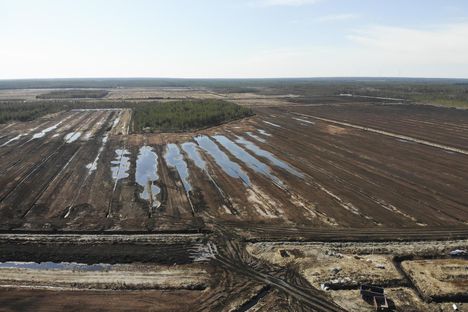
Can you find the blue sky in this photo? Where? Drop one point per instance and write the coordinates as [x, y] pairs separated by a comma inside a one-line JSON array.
[[244, 38]]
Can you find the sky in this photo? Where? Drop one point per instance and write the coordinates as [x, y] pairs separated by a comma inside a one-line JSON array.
[[233, 38]]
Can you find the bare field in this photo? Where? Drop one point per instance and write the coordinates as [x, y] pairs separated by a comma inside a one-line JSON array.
[[117, 276], [340, 268], [277, 167], [49, 300], [439, 278], [260, 214]]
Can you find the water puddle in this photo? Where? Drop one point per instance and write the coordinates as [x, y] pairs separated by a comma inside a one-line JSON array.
[[271, 158], [87, 136], [251, 162], [303, 120], [263, 132], [222, 160], [13, 139], [271, 124], [69, 266], [256, 137], [116, 120], [93, 166], [120, 165], [41, 134], [192, 151], [175, 159], [72, 137], [146, 175], [19, 136]]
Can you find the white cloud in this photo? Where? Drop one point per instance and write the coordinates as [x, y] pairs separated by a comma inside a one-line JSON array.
[[439, 51], [336, 17], [440, 45], [374, 51], [270, 3]]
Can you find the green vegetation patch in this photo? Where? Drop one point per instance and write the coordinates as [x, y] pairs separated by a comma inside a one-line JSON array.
[[186, 115], [25, 111], [74, 94]]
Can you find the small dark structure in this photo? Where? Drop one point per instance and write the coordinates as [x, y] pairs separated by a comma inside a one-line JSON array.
[[368, 292], [375, 295], [284, 253], [381, 303]]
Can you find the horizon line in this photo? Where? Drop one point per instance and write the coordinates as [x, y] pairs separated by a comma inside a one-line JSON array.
[[236, 78]]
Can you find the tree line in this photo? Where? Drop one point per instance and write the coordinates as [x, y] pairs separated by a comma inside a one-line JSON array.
[[185, 115], [73, 94], [25, 111]]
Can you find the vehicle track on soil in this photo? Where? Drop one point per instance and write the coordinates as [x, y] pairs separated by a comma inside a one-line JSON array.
[[232, 255], [304, 296]]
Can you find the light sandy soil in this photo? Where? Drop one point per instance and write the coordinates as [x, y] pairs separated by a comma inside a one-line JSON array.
[[29, 94], [259, 102], [271, 250], [334, 268], [404, 299], [116, 277], [351, 270], [440, 277], [121, 124], [347, 265], [24, 94], [161, 93]]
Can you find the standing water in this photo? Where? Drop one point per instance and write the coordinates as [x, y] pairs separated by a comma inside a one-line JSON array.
[[251, 162], [72, 137], [192, 150], [272, 158], [147, 174], [263, 132], [175, 159], [45, 131], [256, 137], [93, 166], [228, 166], [271, 124], [72, 266], [303, 120], [120, 165]]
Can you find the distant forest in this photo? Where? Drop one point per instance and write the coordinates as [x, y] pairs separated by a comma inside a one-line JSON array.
[[148, 116], [186, 115], [19, 110], [25, 111], [444, 92], [74, 94]]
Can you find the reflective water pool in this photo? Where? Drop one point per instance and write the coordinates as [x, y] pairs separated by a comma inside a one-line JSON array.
[[120, 165], [222, 160], [194, 154], [146, 175], [175, 159], [271, 158], [251, 162], [72, 266]]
